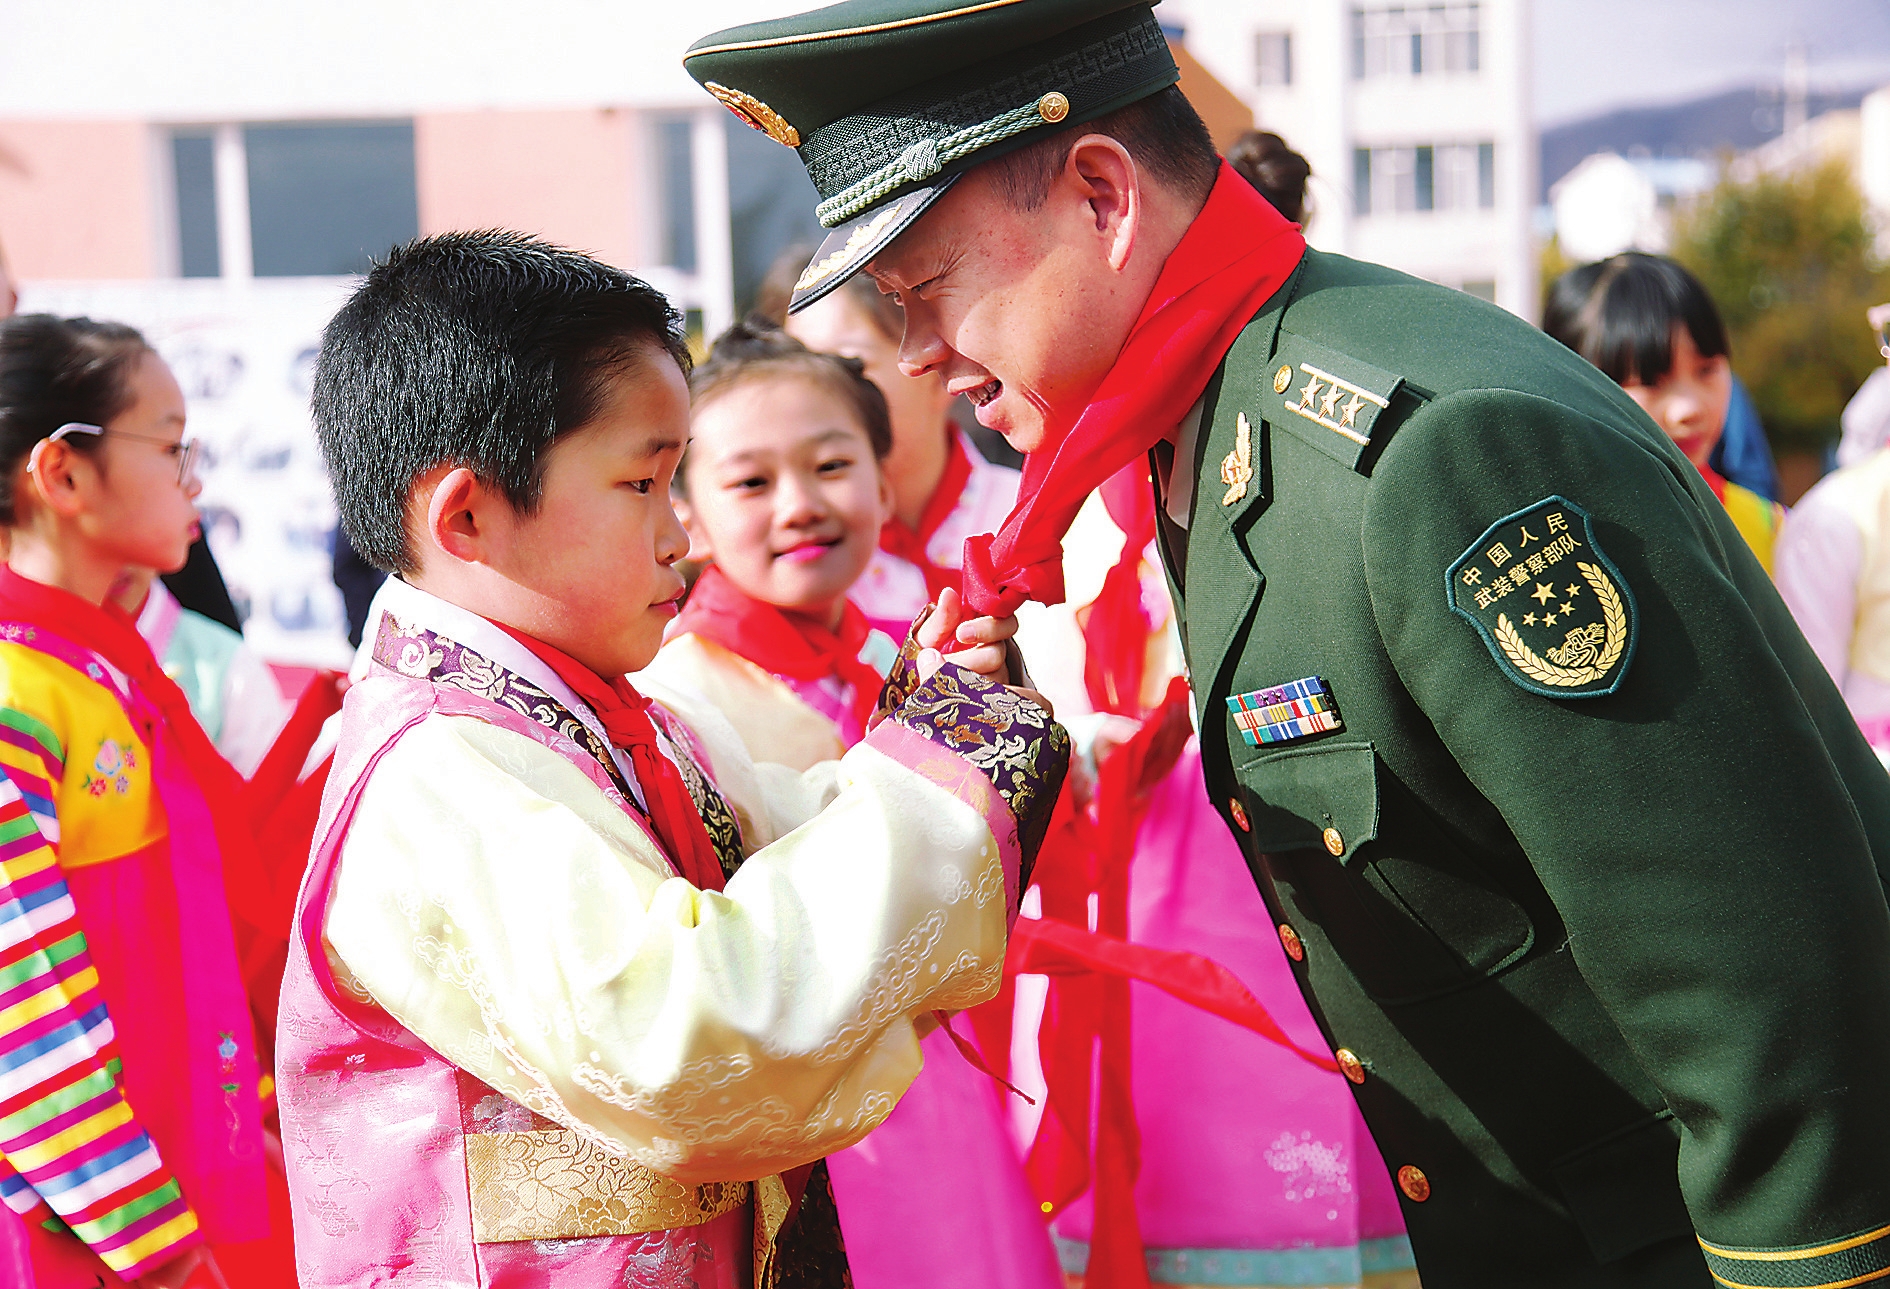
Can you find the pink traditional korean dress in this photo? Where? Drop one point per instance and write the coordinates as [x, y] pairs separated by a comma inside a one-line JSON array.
[[519, 1048], [936, 1197]]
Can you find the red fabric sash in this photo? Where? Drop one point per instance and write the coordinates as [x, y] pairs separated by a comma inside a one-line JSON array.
[[625, 714], [1117, 626], [1236, 254], [784, 643], [909, 544], [109, 632]]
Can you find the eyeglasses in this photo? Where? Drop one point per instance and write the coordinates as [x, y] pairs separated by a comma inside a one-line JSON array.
[[185, 450]]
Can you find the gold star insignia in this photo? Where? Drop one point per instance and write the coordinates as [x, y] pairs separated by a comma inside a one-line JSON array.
[[1573, 591], [1352, 410], [1329, 402], [1542, 594], [1549, 621], [1529, 619], [1566, 608], [1308, 394]]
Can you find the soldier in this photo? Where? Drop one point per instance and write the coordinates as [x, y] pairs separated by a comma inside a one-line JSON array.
[[1574, 848]]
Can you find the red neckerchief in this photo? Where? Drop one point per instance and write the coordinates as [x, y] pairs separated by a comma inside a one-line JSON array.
[[909, 544], [110, 633], [1117, 625], [1714, 480], [625, 714], [784, 643], [1236, 254]]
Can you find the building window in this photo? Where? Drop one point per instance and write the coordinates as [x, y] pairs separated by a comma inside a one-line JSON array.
[[1450, 176], [194, 179], [326, 199], [1273, 58], [1415, 40], [292, 200], [675, 159]]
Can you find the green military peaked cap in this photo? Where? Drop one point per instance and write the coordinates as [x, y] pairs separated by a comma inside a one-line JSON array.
[[889, 101]]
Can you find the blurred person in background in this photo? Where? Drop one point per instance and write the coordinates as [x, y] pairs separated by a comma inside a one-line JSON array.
[[783, 489], [134, 1149], [9, 296], [1833, 561], [1651, 327], [1276, 172], [944, 490], [232, 692]]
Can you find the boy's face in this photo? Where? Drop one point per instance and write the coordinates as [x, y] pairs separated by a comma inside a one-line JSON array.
[[591, 571], [1690, 401], [784, 493]]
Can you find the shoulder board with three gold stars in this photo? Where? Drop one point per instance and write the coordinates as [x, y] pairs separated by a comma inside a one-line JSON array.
[[1331, 400]]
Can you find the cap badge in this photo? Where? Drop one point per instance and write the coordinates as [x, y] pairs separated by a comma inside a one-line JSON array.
[[756, 114], [1053, 107], [1237, 466]]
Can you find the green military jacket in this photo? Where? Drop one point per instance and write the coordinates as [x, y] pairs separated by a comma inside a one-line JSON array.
[[1576, 852]]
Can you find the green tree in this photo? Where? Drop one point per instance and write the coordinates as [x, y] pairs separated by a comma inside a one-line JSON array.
[[1789, 260]]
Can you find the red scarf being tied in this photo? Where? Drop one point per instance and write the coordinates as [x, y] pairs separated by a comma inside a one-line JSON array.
[[1234, 256], [625, 714], [784, 643]]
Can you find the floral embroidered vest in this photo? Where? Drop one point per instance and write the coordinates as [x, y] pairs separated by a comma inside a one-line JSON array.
[[401, 1163]]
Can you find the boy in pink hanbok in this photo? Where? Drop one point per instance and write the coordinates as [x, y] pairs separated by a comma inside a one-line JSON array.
[[580, 994]]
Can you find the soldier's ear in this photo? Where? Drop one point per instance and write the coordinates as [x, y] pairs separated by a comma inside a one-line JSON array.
[[1105, 177]]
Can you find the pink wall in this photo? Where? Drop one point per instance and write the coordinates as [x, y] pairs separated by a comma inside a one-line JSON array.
[[567, 176], [76, 199]]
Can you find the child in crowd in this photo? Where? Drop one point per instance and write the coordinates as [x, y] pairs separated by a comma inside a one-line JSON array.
[[1652, 328], [943, 490], [783, 488], [129, 1088], [231, 690], [580, 993]]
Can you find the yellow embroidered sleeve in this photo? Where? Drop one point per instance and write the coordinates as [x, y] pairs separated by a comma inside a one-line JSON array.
[[498, 905]]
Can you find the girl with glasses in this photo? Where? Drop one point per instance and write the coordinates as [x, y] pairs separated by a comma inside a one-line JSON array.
[[132, 1148]]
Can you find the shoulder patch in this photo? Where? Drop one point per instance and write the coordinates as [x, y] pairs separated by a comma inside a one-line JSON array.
[[1330, 399], [1554, 611]]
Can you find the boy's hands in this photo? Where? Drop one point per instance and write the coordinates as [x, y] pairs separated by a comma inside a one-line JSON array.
[[981, 645]]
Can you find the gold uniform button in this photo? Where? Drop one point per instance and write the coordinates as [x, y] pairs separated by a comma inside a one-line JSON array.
[[1335, 844], [1281, 379], [1415, 1185], [1352, 1068], [1290, 941], [1053, 107], [1239, 812]]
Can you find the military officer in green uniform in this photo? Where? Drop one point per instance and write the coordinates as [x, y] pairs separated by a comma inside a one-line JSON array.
[[1572, 845]]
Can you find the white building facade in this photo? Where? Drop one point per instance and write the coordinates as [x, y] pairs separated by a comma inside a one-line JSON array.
[[1415, 118]]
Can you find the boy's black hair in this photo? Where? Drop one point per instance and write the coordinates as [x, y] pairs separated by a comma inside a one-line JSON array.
[[478, 350], [54, 370], [757, 349], [1619, 314]]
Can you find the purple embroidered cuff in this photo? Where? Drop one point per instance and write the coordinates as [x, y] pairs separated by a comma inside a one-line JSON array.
[[1010, 740]]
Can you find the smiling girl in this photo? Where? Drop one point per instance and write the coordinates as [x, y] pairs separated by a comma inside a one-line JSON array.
[[129, 1110], [783, 489]]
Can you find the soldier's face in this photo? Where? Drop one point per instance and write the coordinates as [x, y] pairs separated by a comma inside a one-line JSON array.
[[1021, 311]]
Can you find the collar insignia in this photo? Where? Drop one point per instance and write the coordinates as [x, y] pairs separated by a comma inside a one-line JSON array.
[[1237, 466]]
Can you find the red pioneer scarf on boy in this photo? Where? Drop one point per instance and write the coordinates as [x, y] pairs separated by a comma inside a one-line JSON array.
[[1234, 256], [787, 644], [625, 714]]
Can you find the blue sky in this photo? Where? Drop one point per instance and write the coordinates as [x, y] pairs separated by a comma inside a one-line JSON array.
[[1594, 55]]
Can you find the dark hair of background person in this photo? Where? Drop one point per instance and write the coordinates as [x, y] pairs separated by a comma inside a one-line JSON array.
[[55, 370], [480, 349], [1163, 132], [1276, 171], [1620, 313], [758, 350]]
